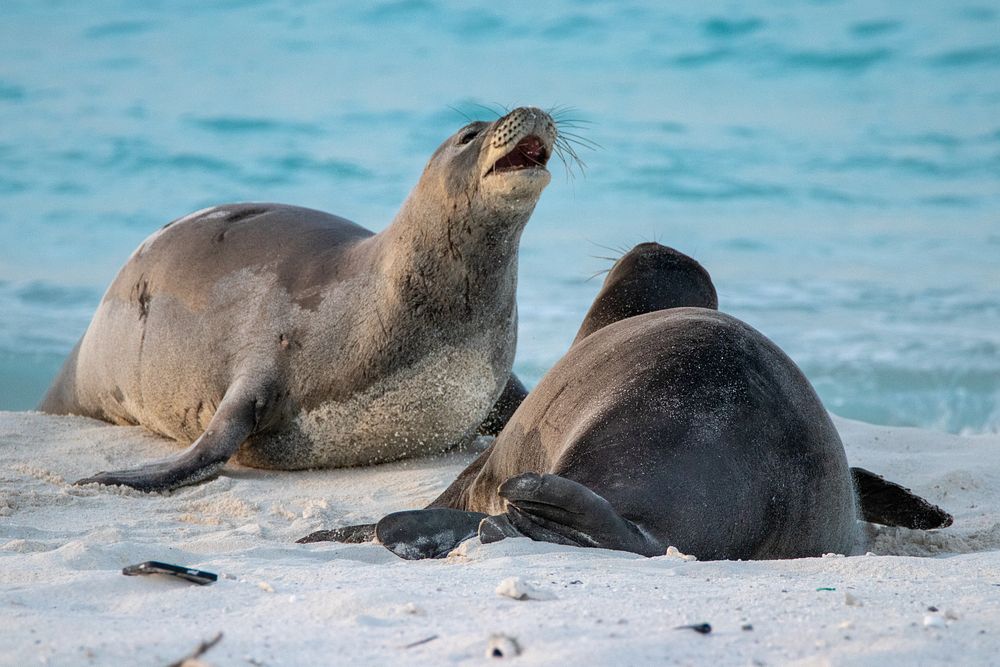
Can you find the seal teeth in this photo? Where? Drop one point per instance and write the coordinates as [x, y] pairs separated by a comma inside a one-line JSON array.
[[528, 153]]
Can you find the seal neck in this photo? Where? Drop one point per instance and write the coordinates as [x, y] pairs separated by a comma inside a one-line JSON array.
[[453, 259]]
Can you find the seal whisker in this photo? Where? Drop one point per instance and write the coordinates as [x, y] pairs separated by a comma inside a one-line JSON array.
[[568, 148], [567, 142], [574, 122], [607, 247], [569, 156], [499, 109], [567, 162], [598, 273], [461, 113], [582, 141], [558, 114]]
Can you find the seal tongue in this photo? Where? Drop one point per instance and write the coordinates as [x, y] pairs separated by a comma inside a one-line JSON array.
[[529, 152]]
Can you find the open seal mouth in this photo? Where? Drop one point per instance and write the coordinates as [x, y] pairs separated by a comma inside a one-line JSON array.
[[529, 153]]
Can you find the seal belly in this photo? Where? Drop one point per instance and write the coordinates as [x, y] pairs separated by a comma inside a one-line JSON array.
[[423, 409]]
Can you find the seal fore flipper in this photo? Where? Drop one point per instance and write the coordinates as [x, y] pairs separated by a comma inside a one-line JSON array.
[[362, 532], [887, 503], [550, 508], [433, 533], [513, 395], [234, 421]]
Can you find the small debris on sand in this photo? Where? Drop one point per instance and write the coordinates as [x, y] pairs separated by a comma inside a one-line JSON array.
[[502, 646], [700, 628], [674, 552], [518, 589], [192, 660], [934, 621]]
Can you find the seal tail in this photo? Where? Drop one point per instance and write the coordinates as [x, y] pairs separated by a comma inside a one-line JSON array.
[[891, 504]]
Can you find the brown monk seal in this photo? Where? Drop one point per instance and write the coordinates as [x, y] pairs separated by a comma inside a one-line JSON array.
[[667, 423], [294, 339]]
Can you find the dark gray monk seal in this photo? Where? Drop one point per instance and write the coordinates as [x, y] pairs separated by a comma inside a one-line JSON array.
[[294, 339], [651, 277], [679, 427]]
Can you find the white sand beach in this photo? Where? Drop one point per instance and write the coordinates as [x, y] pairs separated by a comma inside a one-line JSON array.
[[919, 599]]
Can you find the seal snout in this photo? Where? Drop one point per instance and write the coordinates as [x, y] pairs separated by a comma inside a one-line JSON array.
[[522, 140], [529, 152]]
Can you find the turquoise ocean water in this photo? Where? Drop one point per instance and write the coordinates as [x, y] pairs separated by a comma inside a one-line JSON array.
[[835, 165]]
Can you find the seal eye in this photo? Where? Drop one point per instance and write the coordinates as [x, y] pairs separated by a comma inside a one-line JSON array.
[[468, 136]]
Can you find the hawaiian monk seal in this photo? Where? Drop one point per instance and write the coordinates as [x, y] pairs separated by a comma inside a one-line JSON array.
[[294, 339], [678, 427], [650, 277]]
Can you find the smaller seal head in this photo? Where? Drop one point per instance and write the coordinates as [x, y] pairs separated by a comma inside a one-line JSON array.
[[649, 277]]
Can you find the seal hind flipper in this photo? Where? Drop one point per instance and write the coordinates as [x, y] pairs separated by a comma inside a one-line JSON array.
[[364, 532], [891, 504], [551, 508], [432, 533], [234, 421]]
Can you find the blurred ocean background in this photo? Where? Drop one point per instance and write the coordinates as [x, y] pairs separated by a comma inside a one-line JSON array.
[[834, 165]]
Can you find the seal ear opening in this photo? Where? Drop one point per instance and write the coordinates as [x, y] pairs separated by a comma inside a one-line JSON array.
[[890, 504]]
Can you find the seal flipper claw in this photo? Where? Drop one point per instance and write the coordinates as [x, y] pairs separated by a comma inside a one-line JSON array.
[[518, 524], [432, 533], [364, 532], [232, 423], [890, 504], [496, 528], [551, 508], [164, 475]]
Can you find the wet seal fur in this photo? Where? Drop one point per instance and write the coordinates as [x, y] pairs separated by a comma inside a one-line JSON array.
[[293, 338], [667, 423]]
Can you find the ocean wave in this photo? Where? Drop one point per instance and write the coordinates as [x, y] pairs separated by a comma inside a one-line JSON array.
[[977, 56], [663, 183], [329, 167], [118, 29], [869, 29], [729, 28], [43, 318], [573, 27], [779, 61], [844, 60], [249, 125], [10, 92], [941, 167]]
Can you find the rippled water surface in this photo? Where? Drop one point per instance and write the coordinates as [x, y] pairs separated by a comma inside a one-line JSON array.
[[835, 165]]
